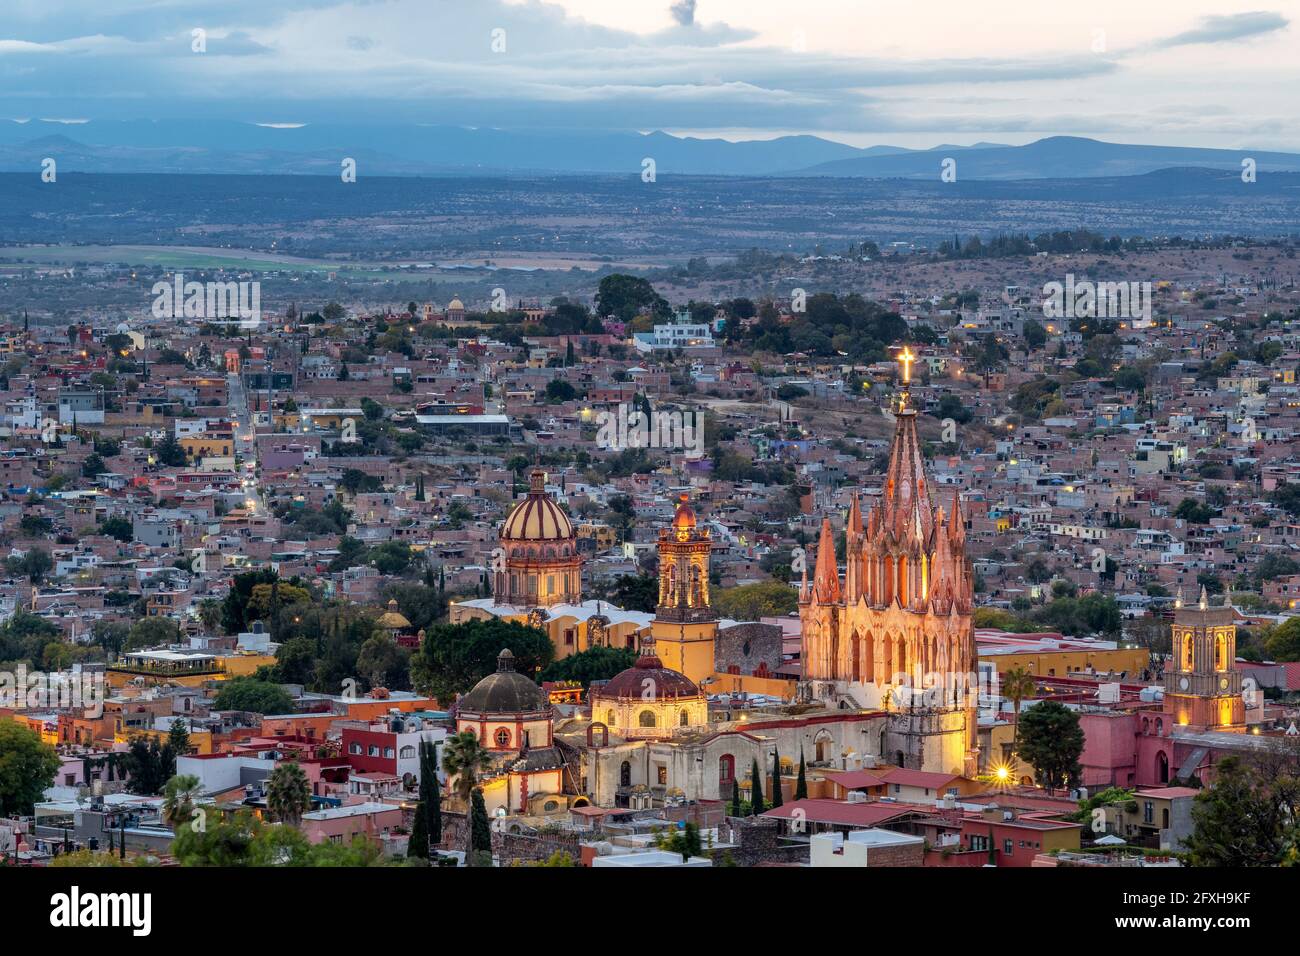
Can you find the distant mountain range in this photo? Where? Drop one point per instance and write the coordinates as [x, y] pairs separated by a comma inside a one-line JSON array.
[[188, 146]]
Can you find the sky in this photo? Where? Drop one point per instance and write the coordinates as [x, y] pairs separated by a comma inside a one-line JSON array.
[[911, 73]]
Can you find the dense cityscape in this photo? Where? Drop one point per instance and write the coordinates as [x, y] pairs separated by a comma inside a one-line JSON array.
[[486, 470]]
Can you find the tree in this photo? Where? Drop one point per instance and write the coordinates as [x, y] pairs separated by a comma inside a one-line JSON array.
[[417, 845], [148, 766], [1237, 822], [756, 790], [118, 528], [169, 452], [178, 735], [251, 694], [749, 602], [431, 790], [480, 832], [778, 798], [801, 782], [455, 657], [27, 768], [735, 797], [1051, 740], [685, 841], [623, 297], [596, 663], [178, 800], [209, 610], [152, 632], [381, 662], [288, 795], [1017, 684], [464, 758]]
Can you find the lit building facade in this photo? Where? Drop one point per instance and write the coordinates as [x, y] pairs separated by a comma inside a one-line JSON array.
[[900, 620], [1202, 686]]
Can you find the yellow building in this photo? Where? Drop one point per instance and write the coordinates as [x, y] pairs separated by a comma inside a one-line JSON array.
[[685, 627], [207, 445]]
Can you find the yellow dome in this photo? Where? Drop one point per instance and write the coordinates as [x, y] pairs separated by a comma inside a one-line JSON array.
[[393, 619], [537, 517], [456, 305]]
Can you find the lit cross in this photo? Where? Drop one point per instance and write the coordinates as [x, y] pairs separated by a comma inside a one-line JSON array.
[[906, 358]]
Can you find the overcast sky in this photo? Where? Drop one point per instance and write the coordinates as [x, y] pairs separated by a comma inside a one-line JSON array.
[[906, 72]]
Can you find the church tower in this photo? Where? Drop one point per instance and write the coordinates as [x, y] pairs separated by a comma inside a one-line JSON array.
[[1202, 686], [685, 627], [898, 635]]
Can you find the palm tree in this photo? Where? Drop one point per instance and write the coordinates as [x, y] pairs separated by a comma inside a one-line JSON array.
[[178, 799], [209, 614], [288, 795], [1017, 684], [464, 758]]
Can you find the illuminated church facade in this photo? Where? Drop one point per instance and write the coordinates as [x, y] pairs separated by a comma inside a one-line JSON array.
[[896, 634]]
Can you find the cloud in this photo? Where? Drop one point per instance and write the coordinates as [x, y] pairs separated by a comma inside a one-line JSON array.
[[1227, 29], [683, 12]]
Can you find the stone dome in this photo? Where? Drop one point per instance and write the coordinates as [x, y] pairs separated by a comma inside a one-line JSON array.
[[505, 692]]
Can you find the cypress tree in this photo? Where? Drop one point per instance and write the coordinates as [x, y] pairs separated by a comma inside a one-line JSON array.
[[801, 782], [417, 847], [777, 797], [480, 832], [735, 797], [121, 835], [435, 798], [756, 787]]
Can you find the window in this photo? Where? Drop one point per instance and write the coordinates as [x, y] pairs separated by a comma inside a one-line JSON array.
[[407, 752], [979, 842], [646, 718], [354, 748], [661, 774], [389, 752], [372, 750], [685, 719], [1148, 812], [502, 737], [1008, 847]]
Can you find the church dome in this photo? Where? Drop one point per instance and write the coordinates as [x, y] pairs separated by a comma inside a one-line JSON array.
[[455, 305], [631, 684], [505, 692], [393, 619], [537, 517], [684, 518]]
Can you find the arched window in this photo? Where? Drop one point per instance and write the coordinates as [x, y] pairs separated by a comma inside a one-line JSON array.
[[407, 752], [685, 719], [646, 718], [502, 737], [625, 775], [726, 769], [610, 718], [1162, 767]]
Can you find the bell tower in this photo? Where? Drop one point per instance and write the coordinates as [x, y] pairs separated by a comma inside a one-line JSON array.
[[1202, 685], [685, 627]]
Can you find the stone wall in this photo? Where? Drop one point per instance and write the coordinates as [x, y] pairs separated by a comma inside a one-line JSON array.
[[763, 642]]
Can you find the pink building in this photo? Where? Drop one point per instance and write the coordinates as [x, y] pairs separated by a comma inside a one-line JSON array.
[[341, 824]]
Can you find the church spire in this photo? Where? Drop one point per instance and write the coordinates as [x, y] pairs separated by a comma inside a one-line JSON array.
[[826, 580], [855, 516]]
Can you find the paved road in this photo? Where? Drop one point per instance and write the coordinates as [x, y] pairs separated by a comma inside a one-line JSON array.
[[245, 442]]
